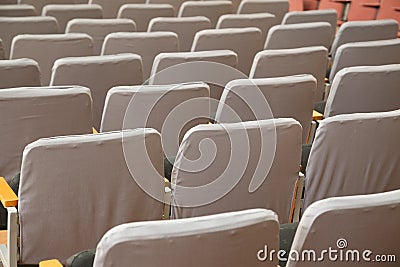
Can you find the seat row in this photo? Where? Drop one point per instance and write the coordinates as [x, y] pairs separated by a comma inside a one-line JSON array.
[[299, 35], [251, 237], [127, 167], [105, 37], [204, 156], [113, 9], [153, 18], [95, 71]]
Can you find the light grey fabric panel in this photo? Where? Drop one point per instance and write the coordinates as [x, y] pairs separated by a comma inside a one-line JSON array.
[[47, 48], [39, 4], [328, 15], [146, 44], [111, 8], [8, 2], [98, 29], [236, 40], [265, 153], [100, 74], [19, 10], [164, 61], [277, 7], [361, 31], [65, 13], [11, 27], [170, 109], [142, 14], [286, 62], [210, 9], [19, 73], [350, 224], [259, 99], [371, 53], [364, 89], [299, 35], [28, 114], [263, 21], [186, 28], [175, 3], [230, 239], [81, 186], [170, 68], [354, 154]]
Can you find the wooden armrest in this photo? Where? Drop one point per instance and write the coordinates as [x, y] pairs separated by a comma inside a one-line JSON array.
[[7, 196], [94, 130], [3, 237], [374, 5], [166, 182], [317, 116], [50, 263]]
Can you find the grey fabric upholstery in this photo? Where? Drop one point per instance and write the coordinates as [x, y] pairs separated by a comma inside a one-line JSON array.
[[13, 26], [277, 7], [283, 97], [237, 40], [210, 9], [98, 29], [146, 44], [350, 225], [39, 4], [186, 28], [47, 48], [65, 13], [286, 62], [202, 186], [8, 2], [361, 31], [323, 15], [19, 10], [230, 239], [28, 114], [371, 53], [299, 35], [263, 21], [82, 186], [170, 109], [100, 74], [364, 89], [170, 68], [19, 73], [142, 14], [111, 8], [354, 154], [175, 3]]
